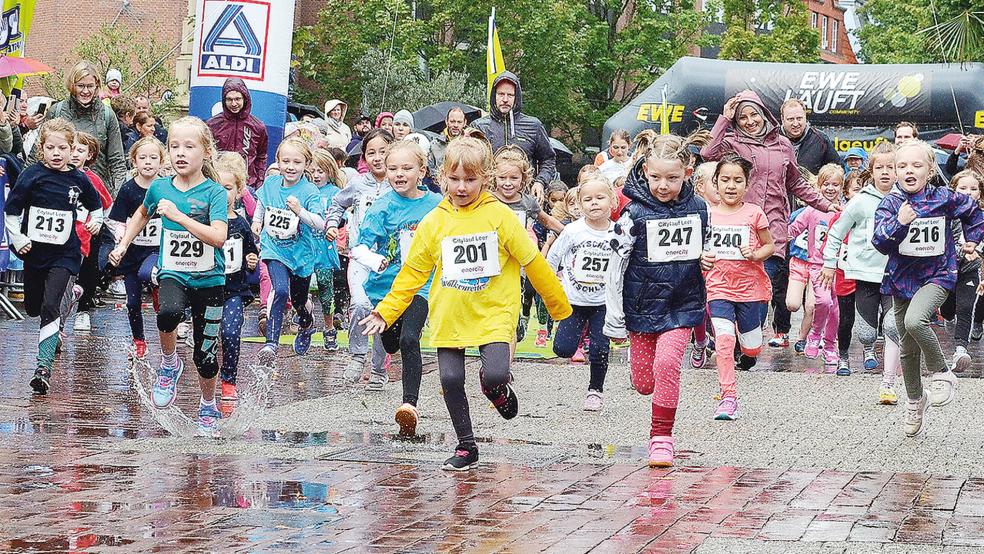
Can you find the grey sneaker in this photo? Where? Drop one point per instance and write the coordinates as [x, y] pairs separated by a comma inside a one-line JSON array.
[[942, 389], [961, 360], [915, 411], [376, 382], [353, 371]]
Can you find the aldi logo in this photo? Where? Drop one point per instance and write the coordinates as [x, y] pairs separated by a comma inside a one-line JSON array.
[[234, 38]]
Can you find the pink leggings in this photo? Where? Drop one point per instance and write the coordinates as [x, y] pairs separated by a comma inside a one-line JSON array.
[[826, 314], [659, 375]]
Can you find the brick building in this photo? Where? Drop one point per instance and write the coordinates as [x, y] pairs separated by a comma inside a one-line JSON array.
[[827, 17]]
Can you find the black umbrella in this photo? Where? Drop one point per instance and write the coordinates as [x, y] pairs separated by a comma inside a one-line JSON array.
[[431, 118], [560, 151]]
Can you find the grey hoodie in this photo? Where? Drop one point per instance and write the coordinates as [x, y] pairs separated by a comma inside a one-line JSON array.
[[863, 262], [358, 194]]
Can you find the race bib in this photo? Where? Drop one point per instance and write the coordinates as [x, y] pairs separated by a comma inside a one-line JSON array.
[[727, 240], [801, 241], [233, 250], [819, 235], [926, 237], [365, 202], [49, 226], [842, 255], [150, 235], [470, 256], [81, 214], [675, 239], [280, 223], [184, 252], [590, 265], [406, 237]]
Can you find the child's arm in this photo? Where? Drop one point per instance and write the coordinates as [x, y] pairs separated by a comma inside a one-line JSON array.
[[556, 249], [622, 241], [310, 214], [545, 282], [133, 228], [214, 234], [763, 252], [371, 233], [550, 222], [258, 214], [547, 244], [412, 277], [339, 203], [891, 224], [969, 212], [14, 211], [800, 223]]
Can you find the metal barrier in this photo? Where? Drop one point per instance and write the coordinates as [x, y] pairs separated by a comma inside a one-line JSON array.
[[8, 284]]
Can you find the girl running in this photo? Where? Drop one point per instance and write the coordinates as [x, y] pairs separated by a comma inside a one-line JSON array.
[[241, 257], [384, 243], [475, 247], [911, 228], [866, 266], [326, 176], [844, 288], [654, 287], [359, 196], [582, 252], [287, 219], [39, 216], [823, 331], [137, 266], [706, 189], [192, 208], [737, 285]]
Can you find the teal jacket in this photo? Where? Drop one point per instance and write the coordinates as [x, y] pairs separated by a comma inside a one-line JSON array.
[[863, 262]]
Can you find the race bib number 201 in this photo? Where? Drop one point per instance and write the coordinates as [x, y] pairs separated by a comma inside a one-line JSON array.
[[470, 256], [675, 239]]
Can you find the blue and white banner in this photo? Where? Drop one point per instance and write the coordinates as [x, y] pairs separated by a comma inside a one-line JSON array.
[[249, 39]]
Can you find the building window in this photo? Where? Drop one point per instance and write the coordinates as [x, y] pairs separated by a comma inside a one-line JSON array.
[[835, 27], [824, 43], [813, 19]]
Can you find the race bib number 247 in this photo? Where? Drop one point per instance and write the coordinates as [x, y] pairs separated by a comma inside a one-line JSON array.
[[674, 239]]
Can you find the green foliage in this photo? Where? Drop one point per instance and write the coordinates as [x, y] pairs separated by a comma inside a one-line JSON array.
[[955, 33], [579, 60], [769, 31]]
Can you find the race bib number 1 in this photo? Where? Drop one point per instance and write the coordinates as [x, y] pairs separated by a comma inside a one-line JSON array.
[[280, 223], [470, 256], [150, 235], [49, 226], [184, 252], [926, 237], [233, 250], [727, 241], [590, 265], [675, 239]]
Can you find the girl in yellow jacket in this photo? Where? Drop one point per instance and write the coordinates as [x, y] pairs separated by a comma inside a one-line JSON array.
[[475, 246]]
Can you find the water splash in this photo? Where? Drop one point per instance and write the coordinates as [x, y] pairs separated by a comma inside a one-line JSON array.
[[253, 398]]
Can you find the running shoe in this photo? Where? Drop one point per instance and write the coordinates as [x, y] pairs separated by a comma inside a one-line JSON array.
[[661, 452], [376, 382], [961, 360], [780, 340], [140, 349], [843, 368], [812, 348], [745, 363], [353, 371], [83, 322], [267, 355], [541, 339], [302, 342], [799, 347], [594, 401], [261, 321], [870, 359], [229, 393], [330, 339], [727, 409], [166, 385], [943, 388], [578, 357], [887, 395], [407, 417], [521, 328], [465, 458], [41, 381], [977, 331], [698, 355], [183, 330], [208, 416], [338, 322], [504, 399], [831, 359], [915, 412]]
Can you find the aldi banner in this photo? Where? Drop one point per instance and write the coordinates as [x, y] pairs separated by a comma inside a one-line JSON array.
[[249, 39]]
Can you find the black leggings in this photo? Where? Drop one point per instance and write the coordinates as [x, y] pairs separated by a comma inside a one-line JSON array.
[[404, 337], [494, 374], [781, 318], [960, 304], [90, 277], [870, 304], [43, 293], [845, 328], [569, 333], [206, 318]]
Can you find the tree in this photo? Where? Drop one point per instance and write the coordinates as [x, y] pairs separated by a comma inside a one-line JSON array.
[[399, 84], [769, 31], [922, 31]]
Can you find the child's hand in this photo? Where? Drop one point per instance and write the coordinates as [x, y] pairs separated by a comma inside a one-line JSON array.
[[25, 249], [294, 204], [968, 249], [257, 228], [374, 324], [167, 209], [331, 233], [116, 256], [707, 260], [826, 277], [93, 226], [906, 214], [251, 261], [748, 253]]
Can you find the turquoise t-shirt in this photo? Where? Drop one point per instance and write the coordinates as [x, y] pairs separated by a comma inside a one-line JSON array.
[[183, 257], [387, 229], [285, 238], [327, 253]]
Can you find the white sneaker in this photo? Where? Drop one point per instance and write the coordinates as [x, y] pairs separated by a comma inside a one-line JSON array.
[[118, 289], [183, 330], [912, 422], [82, 322], [353, 371], [961, 360], [943, 388]]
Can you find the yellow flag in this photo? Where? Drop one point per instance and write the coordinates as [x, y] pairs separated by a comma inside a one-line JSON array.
[[17, 15], [493, 58], [664, 120]]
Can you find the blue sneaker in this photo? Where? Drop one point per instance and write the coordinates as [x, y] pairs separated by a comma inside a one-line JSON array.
[[166, 386], [302, 342], [870, 360], [208, 416], [843, 368], [800, 346]]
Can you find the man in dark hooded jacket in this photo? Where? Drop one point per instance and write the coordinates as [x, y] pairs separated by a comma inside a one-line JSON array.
[[235, 130], [507, 124]]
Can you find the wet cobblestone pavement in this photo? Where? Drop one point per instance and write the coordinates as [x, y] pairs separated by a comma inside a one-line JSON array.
[[87, 468]]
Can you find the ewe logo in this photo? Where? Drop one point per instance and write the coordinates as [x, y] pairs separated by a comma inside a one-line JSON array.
[[234, 38]]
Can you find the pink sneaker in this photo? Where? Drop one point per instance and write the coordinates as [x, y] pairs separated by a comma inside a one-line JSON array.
[[661, 452], [541, 339], [812, 349], [578, 357], [830, 358]]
